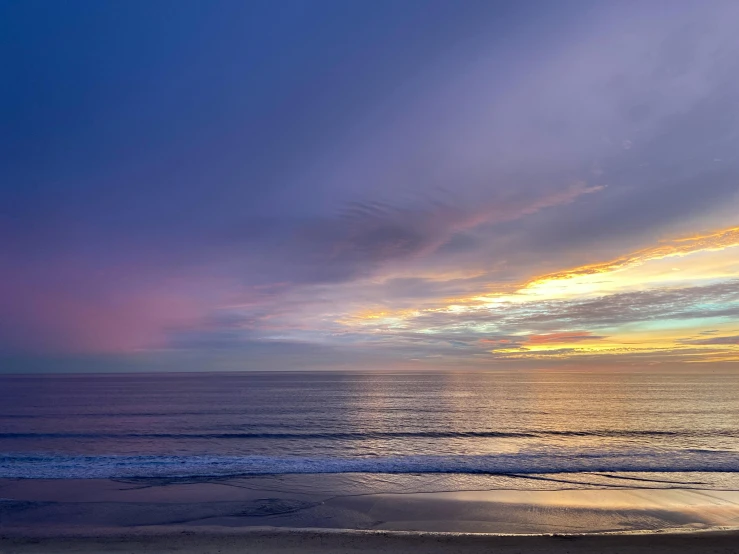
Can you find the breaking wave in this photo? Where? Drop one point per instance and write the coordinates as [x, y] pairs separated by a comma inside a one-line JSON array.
[[35, 466]]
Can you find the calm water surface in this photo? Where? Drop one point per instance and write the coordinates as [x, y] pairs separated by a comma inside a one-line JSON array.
[[454, 422]]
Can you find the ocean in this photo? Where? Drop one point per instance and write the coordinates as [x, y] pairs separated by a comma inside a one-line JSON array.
[[653, 428]]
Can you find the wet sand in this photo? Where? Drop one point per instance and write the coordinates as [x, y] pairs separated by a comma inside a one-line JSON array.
[[333, 502], [321, 514]]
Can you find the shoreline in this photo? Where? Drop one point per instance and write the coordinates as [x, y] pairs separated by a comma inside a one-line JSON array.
[[292, 515], [344, 505], [145, 531]]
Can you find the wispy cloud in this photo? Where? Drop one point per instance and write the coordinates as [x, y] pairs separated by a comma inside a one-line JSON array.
[[716, 241], [366, 235], [733, 340], [562, 337]]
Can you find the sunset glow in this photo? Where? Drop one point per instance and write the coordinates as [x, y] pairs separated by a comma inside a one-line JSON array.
[[470, 195]]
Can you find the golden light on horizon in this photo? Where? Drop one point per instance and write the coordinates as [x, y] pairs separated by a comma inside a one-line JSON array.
[[670, 265]]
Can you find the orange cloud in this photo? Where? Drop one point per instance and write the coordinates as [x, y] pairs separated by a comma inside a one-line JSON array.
[[677, 247], [563, 337]]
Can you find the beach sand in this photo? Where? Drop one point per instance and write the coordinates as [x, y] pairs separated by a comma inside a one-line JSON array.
[[320, 514]]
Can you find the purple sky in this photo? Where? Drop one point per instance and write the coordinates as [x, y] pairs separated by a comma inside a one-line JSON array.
[[322, 184]]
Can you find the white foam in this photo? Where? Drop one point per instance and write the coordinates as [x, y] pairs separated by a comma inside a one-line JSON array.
[[559, 461]]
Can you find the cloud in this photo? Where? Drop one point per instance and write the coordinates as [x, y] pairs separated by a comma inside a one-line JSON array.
[[733, 340], [719, 300], [522, 342], [366, 235], [539, 323], [562, 337], [717, 241]]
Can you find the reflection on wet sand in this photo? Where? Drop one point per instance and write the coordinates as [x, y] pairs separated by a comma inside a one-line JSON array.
[[563, 511], [332, 502]]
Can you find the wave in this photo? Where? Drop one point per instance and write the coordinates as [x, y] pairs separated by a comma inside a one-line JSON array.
[[22, 466]]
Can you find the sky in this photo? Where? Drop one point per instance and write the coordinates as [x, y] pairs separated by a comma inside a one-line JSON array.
[[309, 185]]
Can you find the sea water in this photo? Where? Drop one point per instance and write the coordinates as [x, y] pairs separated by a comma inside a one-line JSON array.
[[464, 423]]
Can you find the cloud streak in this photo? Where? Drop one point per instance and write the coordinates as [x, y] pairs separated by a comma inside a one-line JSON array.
[[717, 241]]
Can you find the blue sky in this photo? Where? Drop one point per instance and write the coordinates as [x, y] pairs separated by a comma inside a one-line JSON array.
[[314, 185]]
